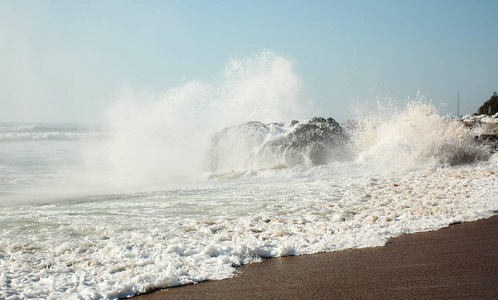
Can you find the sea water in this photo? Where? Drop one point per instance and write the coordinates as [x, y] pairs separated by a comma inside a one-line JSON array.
[[123, 208]]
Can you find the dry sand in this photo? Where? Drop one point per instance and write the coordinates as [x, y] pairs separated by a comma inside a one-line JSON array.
[[458, 262]]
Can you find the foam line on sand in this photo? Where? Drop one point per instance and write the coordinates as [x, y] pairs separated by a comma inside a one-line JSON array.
[[457, 262]]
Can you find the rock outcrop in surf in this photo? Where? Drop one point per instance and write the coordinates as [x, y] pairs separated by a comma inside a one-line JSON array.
[[487, 128], [255, 145], [402, 140]]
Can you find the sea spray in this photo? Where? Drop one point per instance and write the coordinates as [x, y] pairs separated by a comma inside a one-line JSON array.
[[167, 137], [416, 136], [395, 139]]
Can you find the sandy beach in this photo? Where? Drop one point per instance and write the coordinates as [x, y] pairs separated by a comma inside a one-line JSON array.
[[457, 262]]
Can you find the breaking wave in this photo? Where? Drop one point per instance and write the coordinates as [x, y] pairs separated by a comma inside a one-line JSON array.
[[48, 133], [253, 119], [416, 135], [168, 136], [410, 138]]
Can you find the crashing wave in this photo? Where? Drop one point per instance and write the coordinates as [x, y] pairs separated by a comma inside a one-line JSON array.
[[415, 138]]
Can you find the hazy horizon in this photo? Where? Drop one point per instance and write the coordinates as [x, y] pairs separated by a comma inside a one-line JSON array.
[[69, 61]]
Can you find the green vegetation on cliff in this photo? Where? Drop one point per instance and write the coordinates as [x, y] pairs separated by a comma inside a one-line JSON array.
[[490, 106]]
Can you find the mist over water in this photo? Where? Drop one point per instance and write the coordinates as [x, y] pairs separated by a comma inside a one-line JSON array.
[[167, 137]]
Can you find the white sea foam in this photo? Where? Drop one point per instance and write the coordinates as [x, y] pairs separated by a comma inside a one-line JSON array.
[[120, 245]]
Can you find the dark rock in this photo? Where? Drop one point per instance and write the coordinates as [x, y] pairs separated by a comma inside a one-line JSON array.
[[489, 140], [255, 145], [315, 141]]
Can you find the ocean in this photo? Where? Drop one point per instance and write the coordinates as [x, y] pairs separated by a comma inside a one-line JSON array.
[[181, 189]]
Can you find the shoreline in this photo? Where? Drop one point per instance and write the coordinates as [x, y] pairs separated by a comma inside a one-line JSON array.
[[456, 262]]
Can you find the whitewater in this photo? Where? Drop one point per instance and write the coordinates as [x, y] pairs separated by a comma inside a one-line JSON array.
[[187, 186]]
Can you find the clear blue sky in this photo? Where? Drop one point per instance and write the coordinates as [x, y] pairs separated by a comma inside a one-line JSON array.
[[65, 61]]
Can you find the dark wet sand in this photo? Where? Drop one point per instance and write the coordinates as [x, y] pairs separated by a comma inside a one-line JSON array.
[[458, 262]]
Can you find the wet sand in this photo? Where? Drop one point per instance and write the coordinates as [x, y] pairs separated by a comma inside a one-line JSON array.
[[457, 262]]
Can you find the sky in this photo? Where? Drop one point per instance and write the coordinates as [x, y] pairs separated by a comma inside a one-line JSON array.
[[66, 61]]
